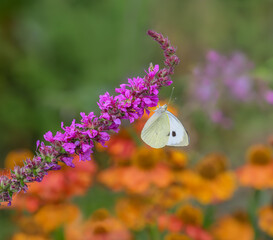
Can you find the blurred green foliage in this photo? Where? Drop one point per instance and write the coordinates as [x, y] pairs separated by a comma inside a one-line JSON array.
[[56, 57]]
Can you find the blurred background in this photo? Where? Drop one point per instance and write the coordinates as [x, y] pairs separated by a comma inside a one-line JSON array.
[[57, 57]]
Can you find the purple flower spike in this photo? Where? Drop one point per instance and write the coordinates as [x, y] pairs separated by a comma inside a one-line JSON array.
[[224, 80], [133, 99]]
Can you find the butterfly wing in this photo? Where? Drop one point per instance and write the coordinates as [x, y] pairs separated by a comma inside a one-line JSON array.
[[178, 134], [156, 131]]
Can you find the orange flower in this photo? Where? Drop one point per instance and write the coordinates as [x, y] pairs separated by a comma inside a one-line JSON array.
[[57, 186], [100, 226], [170, 222], [171, 195], [25, 236], [45, 221], [266, 219], [72, 181], [176, 236], [121, 146], [112, 177], [51, 217], [26, 201], [258, 171], [190, 215], [16, 158], [145, 171], [142, 174], [133, 212], [236, 226], [187, 219], [177, 160], [29, 228], [175, 192], [211, 181], [80, 178]]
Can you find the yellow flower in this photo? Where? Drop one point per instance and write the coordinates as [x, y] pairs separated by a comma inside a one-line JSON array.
[[210, 182], [25, 236], [176, 236], [258, 171], [141, 175], [236, 226], [266, 219], [132, 212], [29, 226], [146, 169], [212, 165], [177, 160], [259, 155], [190, 215], [171, 195], [174, 192], [147, 158], [100, 226]]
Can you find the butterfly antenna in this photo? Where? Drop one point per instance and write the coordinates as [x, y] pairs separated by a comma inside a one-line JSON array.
[[171, 96]]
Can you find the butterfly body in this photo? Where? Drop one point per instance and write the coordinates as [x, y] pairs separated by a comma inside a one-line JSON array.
[[164, 129]]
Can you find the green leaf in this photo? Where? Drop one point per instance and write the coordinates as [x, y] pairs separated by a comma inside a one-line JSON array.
[[48, 159], [22, 182]]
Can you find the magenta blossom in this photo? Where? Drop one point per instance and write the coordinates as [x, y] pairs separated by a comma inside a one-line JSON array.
[[133, 99]]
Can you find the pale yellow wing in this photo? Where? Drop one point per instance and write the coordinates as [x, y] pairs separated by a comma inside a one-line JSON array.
[[156, 131]]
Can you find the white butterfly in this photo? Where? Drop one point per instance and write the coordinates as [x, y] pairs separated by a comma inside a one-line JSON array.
[[163, 128]]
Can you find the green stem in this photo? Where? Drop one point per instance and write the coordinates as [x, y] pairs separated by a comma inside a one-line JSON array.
[[252, 211], [209, 216], [153, 232], [59, 234]]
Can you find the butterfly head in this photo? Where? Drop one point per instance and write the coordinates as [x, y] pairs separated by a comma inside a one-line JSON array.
[[162, 108]]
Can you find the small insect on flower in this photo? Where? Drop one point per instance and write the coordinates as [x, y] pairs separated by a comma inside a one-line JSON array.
[[163, 128]]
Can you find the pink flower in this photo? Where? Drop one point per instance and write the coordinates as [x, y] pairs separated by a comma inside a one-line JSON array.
[[69, 147], [269, 96]]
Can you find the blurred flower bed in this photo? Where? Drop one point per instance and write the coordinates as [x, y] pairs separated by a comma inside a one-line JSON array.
[[159, 194]]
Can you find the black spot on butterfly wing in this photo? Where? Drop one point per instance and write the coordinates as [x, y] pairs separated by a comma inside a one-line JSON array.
[[168, 134], [173, 133]]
